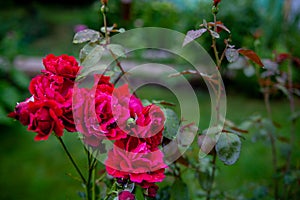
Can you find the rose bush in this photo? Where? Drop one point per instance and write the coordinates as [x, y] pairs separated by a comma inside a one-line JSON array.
[[102, 112]]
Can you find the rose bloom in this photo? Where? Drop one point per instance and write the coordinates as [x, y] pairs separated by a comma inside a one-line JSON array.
[[21, 112], [63, 65], [42, 117], [150, 189], [59, 89], [126, 195], [136, 120], [131, 158], [94, 117], [56, 83]]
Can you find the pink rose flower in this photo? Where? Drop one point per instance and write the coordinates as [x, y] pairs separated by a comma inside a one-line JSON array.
[[93, 111], [131, 158]]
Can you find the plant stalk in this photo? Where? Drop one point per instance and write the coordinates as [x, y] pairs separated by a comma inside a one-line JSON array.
[[71, 159], [292, 110], [272, 140], [214, 43], [212, 177]]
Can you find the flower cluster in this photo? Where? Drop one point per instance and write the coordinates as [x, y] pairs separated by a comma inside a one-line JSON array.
[[135, 129], [99, 113], [49, 109]]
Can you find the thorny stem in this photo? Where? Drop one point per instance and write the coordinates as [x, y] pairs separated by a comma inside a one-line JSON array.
[[212, 177], [72, 160], [272, 140]]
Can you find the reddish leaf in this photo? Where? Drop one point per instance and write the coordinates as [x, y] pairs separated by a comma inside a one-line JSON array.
[[192, 35], [251, 55], [220, 26]]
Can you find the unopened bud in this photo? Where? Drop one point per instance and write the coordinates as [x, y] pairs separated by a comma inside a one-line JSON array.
[[215, 10], [104, 9]]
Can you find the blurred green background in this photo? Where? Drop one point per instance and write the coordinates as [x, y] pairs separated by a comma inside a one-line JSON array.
[[39, 170]]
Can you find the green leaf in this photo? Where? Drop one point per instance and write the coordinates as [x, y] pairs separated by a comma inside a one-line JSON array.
[[117, 49], [268, 126], [139, 194], [85, 51], [228, 148], [86, 35], [86, 77], [179, 190], [171, 124], [93, 56], [163, 102], [164, 193]]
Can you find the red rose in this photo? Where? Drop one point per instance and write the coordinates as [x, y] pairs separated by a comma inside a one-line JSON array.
[[64, 65], [44, 119], [67, 118], [52, 87], [150, 189], [131, 158], [21, 112], [126, 195]]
